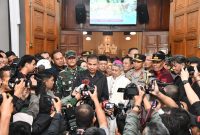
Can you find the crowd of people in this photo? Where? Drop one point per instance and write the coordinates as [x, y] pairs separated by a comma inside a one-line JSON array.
[[60, 94]]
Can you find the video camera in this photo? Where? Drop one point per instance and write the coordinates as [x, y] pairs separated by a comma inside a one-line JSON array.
[[85, 90], [131, 90], [191, 69]]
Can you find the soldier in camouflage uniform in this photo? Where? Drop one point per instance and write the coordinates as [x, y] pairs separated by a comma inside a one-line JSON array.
[[66, 77], [138, 75]]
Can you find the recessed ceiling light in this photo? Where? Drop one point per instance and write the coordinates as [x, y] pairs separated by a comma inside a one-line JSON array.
[[132, 33], [84, 32], [128, 38], [88, 38]]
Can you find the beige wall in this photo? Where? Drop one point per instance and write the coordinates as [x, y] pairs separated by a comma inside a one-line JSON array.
[[118, 38]]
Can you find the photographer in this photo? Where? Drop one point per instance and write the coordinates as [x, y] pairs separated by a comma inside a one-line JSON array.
[[26, 65], [6, 109], [132, 121], [85, 117], [49, 121], [165, 100]]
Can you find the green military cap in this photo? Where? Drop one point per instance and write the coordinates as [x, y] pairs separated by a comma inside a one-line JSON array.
[[70, 53]]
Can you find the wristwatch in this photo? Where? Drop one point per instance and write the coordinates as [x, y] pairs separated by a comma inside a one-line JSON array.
[[185, 81]]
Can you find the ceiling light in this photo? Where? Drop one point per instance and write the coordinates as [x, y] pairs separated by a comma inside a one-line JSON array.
[[84, 32], [132, 33], [128, 38], [88, 38]]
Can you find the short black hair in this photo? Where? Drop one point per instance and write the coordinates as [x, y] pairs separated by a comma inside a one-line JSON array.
[[94, 131], [176, 120], [43, 52], [1, 51], [128, 57], [92, 56], [10, 53], [179, 59], [4, 69], [46, 75], [84, 116], [130, 49], [154, 128], [20, 128], [26, 59], [103, 58], [45, 104], [120, 120], [54, 52]]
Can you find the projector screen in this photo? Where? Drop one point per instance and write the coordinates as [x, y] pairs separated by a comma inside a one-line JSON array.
[[113, 12]]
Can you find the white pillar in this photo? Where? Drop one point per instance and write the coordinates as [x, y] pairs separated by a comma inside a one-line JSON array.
[[14, 25]]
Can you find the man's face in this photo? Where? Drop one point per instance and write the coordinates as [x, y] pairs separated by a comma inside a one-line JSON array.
[[133, 52], [5, 79], [46, 56], [137, 65], [148, 62], [116, 71], [10, 59], [71, 61], [177, 67], [103, 65], [2, 64], [158, 65], [92, 65], [127, 64], [58, 59], [31, 66], [5, 59], [49, 83]]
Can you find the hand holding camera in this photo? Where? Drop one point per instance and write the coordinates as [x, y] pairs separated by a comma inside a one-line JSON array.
[[184, 74], [57, 104], [155, 89], [19, 88], [138, 98], [86, 89], [6, 104], [94, 94]]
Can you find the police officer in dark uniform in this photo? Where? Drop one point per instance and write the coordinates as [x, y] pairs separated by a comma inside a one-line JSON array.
[[160, 72]]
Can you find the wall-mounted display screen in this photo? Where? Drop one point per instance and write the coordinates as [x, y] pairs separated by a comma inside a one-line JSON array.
[[113, 12]]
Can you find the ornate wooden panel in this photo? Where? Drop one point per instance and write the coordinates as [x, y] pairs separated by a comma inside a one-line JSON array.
[[192, 21], [178, 48], [185, 30], [38, 30], [192, 2], [71, 40], [151, 40], [155, 41], [179, 4], [191, 48], [179, 24], [41, 25], [38, 2]]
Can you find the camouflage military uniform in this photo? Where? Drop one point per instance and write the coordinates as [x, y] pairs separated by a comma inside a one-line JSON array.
[[65, 80], [138, 80]]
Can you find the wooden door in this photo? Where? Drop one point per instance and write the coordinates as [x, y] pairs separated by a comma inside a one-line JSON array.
[[155, 41], [184, 27], [71, 40], [42, 23]]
